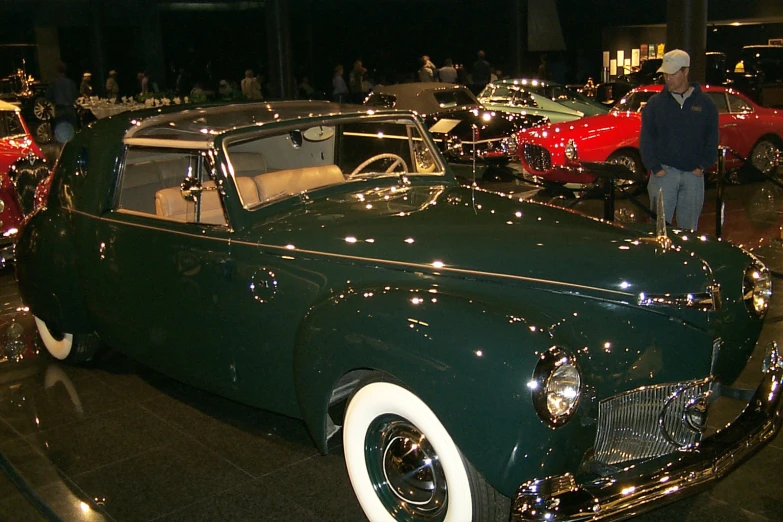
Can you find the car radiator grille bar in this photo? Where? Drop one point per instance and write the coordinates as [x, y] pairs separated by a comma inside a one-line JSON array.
[[537, 157], [645, 423]]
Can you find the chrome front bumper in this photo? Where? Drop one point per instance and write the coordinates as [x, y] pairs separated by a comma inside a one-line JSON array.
[[651, 484]]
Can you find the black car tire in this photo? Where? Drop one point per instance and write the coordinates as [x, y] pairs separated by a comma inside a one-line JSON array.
[[43, 109], [71, 348], [380, 416]]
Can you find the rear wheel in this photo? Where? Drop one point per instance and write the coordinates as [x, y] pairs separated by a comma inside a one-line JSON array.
[[72, 348], [404, 466]]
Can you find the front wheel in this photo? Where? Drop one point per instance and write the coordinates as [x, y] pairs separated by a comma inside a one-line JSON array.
[[404, 466], [72, 348], [765, 155]]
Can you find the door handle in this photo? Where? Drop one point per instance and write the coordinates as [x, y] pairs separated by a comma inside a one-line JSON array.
[[729, 125]]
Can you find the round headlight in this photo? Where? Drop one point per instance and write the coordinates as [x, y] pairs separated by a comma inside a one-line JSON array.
[[570, 150], [757, 288], [557, 386]]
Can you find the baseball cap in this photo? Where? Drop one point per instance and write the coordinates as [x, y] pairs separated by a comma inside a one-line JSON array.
[[674, 60]]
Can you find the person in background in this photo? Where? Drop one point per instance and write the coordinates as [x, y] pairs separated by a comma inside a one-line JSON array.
[[224, 89], [339, 88], [679, 141], [112, 87], [85, 89], [480, 73], [251, 89], [62, 93], [448, 73], [143, 83], [356, 82], [427, 72], [305, 90]]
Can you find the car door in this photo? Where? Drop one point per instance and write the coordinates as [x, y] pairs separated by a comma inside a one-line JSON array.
[[161, 269]]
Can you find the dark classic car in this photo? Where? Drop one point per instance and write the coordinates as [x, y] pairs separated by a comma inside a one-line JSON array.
[[320, 261], [554, 153], [759, 74], [457, 120]]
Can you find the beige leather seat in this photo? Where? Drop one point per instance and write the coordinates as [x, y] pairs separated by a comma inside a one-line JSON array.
[[170, 204], [275, 184]]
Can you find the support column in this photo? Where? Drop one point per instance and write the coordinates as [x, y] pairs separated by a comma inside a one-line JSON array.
[[149, 32], [48, 43], [96, 45], [687, 29], [520, 11], [279, 48]]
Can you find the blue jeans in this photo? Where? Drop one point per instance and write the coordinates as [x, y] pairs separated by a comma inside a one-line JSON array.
[[683, 192]]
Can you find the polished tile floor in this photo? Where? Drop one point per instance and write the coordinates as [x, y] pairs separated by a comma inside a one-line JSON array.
[[119, 442]]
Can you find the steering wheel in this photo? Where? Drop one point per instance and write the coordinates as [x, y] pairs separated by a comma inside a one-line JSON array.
[[386, 155]]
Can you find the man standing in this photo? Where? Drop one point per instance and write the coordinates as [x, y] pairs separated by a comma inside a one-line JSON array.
[[448, 73], [679, 141], [85, 89], [481, 72], [112, 87], [62, 93]]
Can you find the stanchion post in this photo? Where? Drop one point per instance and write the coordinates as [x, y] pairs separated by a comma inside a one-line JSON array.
[[608, 199], [720, 209]]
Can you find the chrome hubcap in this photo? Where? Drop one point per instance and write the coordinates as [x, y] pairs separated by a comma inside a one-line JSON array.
[[765, 157], [629, 163], [405, 470]]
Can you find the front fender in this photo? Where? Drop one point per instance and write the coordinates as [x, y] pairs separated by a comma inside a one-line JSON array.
[[469, 360]]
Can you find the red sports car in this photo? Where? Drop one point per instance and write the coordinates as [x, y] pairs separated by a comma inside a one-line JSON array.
[[553, 153], [17, 150]]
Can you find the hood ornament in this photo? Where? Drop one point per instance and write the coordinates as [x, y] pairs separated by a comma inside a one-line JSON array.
[[661, 237]]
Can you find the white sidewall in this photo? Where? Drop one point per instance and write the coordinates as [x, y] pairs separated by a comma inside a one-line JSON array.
[[380, 398], [60, 349]]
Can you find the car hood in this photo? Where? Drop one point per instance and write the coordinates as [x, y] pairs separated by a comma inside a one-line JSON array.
[[490, 124], [592, 127], [468, 233]]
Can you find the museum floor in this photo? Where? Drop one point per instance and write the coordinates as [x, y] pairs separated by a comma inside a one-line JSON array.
[[118, 441]]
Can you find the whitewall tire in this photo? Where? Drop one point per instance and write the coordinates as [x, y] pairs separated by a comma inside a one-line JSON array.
[[58, 347], [382, 422]]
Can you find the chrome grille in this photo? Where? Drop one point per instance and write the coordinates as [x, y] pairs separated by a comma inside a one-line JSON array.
[[537, 157], [646, 423]]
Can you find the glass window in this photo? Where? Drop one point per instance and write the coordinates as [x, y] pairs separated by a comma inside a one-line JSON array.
[[455, 98], [634, 102], [737, 104], [271, 167], [10, 125], [387, 101], [151, 181], [719, 99]]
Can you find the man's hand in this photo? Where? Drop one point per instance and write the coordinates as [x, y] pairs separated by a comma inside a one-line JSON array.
[[660, 173], [698, 172]]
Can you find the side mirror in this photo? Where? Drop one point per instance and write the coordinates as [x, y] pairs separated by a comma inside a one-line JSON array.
[[190, 188]]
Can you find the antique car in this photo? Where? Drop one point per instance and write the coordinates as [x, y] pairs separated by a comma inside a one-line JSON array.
[[306, 258], [553, 153], [509, 97], [20, 157], [457, 120], [759, 74], [29, 94], [561, 98]]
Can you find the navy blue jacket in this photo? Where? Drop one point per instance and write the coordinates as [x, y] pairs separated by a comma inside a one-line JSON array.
[[685, 138]]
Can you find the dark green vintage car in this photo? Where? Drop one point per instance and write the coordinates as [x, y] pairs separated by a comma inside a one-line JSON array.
[[482, 357]]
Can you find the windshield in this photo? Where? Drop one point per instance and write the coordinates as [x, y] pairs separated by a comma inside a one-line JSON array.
[[268, 167], [455, 98], [11, 125], [386, 101], [633, 102]]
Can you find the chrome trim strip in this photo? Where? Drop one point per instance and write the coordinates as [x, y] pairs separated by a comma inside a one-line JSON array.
[[287, 251], [168, 144], [704, 301]]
